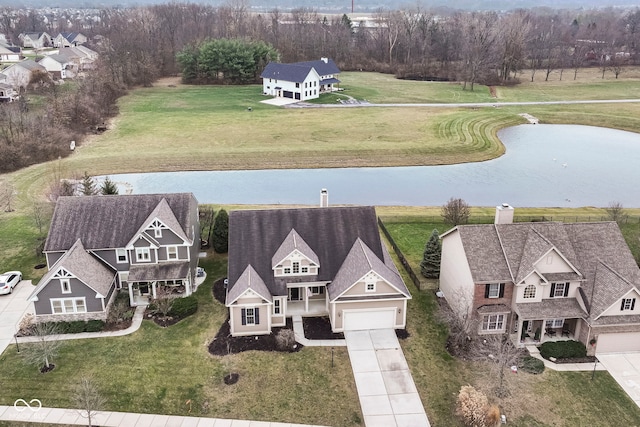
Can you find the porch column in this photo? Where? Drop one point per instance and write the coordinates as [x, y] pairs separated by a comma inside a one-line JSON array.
[[187, 287], [131, 299], [519, 340], [306, 299], [153, 289]]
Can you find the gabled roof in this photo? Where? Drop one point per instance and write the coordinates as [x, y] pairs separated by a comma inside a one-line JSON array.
[[322, 68], [27, 64], [104, 222], [164, 214], [83, 266], [596, 250], [255, 235], [360, 261], [62, 59], [287, 72], [248, 280], [293, 242]]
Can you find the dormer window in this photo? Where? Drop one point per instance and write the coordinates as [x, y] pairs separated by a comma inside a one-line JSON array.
[[530, 291], [628, 304], [559, 290], [295, 267], [370, 286]]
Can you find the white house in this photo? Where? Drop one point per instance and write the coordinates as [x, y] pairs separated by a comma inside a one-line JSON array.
[[57, 65], [300, 80], [18, 75], [8, 55], [35, 40]]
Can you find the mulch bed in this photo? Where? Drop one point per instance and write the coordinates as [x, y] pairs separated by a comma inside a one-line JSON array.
[[117, 326], [319, 328], [224, 344], [219, 292], [44, 369]]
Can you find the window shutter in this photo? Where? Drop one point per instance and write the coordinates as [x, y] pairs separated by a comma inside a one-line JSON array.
[[486, 291], [501, 294], [257, 311], [244, 316], [566, 289], [633, 303], [553, 289], [622, 304]]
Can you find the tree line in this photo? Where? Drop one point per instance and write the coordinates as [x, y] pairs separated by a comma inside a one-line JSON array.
[[139, 45]]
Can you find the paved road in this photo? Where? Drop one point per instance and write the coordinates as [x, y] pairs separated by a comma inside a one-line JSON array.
[[361, 104], [387, 393], [12, 308]]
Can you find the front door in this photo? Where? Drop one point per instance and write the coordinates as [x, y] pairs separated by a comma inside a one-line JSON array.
[[295, 294]]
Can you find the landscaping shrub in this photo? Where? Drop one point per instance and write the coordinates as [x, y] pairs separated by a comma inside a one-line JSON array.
[[531, 365], [472, 406], [183, 307], [563, 350], [285, 339], [94, 326], [75, 327]]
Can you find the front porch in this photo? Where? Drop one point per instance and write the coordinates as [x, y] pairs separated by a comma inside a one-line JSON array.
[[309, 299], [313, 308], [536, 332]]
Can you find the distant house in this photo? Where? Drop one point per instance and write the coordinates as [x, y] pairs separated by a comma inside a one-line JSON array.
[[545, 281], [81, 57], [58, 66], [300, 80], [35, 40], [7, 93], [143, 244], [311, 262], [69, 39], [19, 74], [9, 53]]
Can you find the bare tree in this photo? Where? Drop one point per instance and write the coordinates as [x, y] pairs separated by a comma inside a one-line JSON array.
[[163, 301], [88, 399], [7, 194], [462, 322], [455, 212], [478, 49], [615, 212], [499, 350], [40, 214], [45, 348]]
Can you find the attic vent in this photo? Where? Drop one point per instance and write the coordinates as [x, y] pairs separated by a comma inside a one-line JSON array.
[[324, 198]]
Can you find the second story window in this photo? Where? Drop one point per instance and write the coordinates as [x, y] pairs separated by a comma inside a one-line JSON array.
[[530, 291], [172, 252], [295, 267], [494, 290], [559, 290], [143, 255]]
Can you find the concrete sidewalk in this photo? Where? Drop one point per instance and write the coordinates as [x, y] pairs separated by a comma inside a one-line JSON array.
[[564, 367], [35, 414], [388, 396], [298, 331]]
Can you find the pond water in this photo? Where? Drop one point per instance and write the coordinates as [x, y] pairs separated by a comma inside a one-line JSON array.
[[544, 165]]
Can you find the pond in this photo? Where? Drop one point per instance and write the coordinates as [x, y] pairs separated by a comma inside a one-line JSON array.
[[544, 166]]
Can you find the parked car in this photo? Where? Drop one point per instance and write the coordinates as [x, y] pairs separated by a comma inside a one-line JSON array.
[[8, 281]]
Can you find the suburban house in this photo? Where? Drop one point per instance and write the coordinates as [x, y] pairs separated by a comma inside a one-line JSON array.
[[7, 93], [69, 39], [19, 74], [81, 57], [544, 281], [300, 80], [147, 244], [326, 261], [58, 66], [35, 40], [9, 53]]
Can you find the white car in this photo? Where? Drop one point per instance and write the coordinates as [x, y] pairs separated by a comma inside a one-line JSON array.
[[8, 281]]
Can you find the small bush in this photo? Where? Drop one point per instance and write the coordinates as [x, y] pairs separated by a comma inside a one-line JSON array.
[[285, 339], [472, 406], [76, 327], [94, 326], [531, 365], [183, 307], [563, 350]]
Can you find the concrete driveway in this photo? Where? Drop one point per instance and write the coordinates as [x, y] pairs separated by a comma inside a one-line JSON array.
[[625, 369], [387, 393], [12, 308]]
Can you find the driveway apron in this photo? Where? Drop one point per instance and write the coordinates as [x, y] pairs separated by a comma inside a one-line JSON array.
[[12, 308], [387, 393], [625, 369]]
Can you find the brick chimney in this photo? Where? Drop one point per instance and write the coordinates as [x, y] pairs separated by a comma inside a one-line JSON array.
[[504, 214], [324, 198]]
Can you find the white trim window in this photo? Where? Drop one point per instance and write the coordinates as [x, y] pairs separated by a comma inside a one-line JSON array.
[[370, 286], [172, 252], [295, 267], [143, 254], [628, 304], [529, 292], [65, 285], [277, 309], [157, 233], [493, 322], [250, 316], [121, 256], [554, 323], [68, 305]]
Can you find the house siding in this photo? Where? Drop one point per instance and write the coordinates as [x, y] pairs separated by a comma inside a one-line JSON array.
[[456, 281], [53, 289], [359, 289], [237, 328], [109, 256]]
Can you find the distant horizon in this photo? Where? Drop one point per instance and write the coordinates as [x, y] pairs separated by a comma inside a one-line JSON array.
[[343, 6]]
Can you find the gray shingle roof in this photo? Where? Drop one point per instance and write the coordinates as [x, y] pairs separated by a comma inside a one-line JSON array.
[[597, 250], [298, 71], [553, 308], [161, 271], [321, 67], [292, 242], [82, 265], [104, 222], [249, 279], [255, 235]]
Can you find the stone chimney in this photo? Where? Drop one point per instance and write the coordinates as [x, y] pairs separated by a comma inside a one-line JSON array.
[[504, 214], [324, 198], [325, 60]]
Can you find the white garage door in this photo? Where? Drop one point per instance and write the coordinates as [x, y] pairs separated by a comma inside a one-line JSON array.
[[618, 343], [358, 320]]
